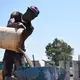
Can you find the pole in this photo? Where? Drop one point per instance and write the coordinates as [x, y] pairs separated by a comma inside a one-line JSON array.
[[33, 60], [27, 58]]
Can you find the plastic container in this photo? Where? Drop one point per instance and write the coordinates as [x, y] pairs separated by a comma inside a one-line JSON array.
[[10, 38]]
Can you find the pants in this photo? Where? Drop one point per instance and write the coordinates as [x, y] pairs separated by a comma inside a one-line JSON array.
[[10, 58]]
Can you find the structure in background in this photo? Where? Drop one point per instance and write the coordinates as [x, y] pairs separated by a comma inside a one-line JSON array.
[[72, 68]]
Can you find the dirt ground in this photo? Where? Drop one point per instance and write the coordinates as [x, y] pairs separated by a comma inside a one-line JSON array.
[[0, 75]]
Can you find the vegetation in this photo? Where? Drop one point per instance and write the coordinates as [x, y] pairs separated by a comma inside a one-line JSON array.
[[59, 50]]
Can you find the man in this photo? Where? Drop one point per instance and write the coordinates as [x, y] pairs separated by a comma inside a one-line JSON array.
[[18, 20]]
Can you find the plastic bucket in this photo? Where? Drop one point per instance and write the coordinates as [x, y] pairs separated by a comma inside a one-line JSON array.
[[10, 38]]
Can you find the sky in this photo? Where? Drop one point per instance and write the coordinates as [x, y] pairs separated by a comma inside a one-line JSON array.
[[57, 19]]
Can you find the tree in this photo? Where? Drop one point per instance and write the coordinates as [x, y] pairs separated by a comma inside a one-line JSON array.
[[59, 50]]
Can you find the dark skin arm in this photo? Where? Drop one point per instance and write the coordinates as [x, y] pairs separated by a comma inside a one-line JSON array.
[[28, 31], [13, 24], [27, 26]]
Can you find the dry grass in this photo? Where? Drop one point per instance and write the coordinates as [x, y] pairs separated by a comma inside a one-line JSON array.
[[0, 75]]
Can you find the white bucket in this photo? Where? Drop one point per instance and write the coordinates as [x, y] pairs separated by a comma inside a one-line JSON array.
[[10, 38]]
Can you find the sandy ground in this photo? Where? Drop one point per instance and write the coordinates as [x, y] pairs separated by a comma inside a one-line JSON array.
[[0, 75]]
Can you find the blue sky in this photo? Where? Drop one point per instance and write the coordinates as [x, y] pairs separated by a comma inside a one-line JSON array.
[[58, 19]]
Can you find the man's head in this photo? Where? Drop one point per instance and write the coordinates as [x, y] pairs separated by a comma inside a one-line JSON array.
[[31, 13]]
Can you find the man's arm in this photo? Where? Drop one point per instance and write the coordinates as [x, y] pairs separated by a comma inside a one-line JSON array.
[[28, 31]]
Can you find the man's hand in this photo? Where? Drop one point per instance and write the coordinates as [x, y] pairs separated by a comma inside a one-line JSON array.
[[17, 25], [21, 25]]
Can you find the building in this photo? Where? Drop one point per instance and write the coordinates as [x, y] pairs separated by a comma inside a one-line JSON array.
[[36, 63]]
